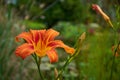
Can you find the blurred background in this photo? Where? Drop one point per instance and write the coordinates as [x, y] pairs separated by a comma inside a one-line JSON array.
[[71, 18]]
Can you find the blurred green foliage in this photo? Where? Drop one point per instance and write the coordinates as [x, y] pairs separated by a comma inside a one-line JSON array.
[[70, 31], [33, 25], [6, 47], [52, 11]]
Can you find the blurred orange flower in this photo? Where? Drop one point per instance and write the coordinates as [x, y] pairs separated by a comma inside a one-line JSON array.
[[117, 52], [99, 10], [42, 43]]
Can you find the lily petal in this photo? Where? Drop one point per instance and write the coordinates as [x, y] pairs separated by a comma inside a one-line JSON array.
[[50, 35], [52, 56], [24, 50], [25, 35], [37, 35], [58, 43]]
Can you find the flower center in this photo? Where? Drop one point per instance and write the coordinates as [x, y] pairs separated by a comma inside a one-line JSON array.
[[41, 49]]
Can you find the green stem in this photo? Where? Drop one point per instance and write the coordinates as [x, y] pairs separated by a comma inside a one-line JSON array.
[[61, 71], [113, 61], [37, 60], [67, 62]]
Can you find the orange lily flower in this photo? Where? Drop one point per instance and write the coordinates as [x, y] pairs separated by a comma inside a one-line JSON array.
[[42, 43]]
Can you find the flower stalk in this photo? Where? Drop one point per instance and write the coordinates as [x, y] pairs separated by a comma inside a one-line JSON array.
[[113, 62], [38, 60]]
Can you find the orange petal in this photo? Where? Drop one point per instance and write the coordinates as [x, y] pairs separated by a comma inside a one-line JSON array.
[[25, 35], [37, 35], [52, 56], [24, 50], [50, 35], [58, 43]]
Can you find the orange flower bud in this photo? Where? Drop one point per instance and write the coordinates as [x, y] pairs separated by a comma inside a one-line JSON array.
[[99, 10]]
